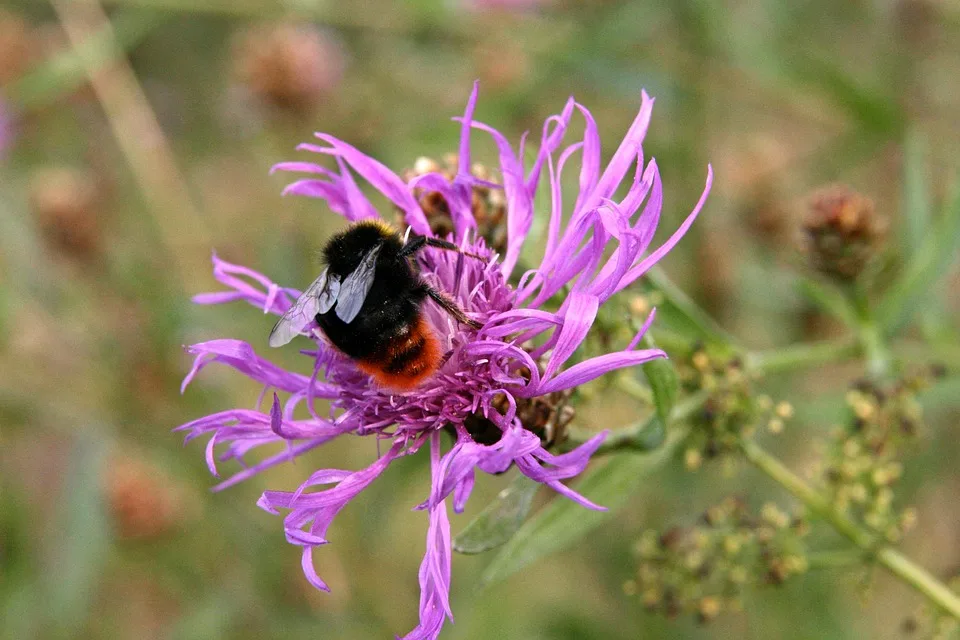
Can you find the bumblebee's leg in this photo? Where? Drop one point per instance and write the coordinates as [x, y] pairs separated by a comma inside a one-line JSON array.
[[418, 242], [449, 306]]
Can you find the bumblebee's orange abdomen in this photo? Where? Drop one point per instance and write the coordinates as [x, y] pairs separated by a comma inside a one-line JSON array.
[[412, 355]]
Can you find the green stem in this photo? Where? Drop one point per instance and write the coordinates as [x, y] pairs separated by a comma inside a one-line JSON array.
[[888, 557], [67, 71], [879, 360], [800, 356], [139, 136], [683, 303]]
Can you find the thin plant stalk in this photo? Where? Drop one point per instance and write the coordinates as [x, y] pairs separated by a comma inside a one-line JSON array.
[[886, 556], [138, 133]]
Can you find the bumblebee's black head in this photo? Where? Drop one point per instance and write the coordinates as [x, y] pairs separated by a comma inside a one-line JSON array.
[[345, 250]]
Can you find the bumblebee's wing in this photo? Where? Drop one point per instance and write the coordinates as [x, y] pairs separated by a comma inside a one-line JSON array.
[[318, 298], [356, 286]]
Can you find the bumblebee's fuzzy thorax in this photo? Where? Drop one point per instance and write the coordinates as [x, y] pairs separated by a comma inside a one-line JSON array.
[[343, 252], [369, 303]]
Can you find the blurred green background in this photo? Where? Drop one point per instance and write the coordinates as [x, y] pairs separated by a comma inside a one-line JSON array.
[[107, 527]]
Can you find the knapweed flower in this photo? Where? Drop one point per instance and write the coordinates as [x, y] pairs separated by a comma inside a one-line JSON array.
[[593, 247]]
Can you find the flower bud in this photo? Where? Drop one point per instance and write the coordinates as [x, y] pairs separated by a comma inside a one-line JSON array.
[[842, 232], [289, 66], [142, 503], [17, 46], [67, 205]]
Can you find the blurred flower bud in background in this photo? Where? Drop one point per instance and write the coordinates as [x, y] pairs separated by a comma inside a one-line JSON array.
[[288, 66], [144, 503], [17, 46], [67, 204], [842, 232]]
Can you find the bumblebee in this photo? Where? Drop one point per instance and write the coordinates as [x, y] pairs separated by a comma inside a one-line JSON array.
[[368, 301]]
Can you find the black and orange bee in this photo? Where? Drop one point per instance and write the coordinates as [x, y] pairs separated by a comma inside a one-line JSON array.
[[369, 302]]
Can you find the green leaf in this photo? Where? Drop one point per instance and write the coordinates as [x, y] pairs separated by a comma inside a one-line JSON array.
[[664, 383], [875, 112], [925, 267], [500, 519], [80, 544], [916, 202], [563, 522]]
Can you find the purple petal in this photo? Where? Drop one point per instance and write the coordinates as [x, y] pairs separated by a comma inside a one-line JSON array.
[[382, 178], [552, 136], [623, 157], [359, 207], [593, 368], [302, 167], [590, 167], [271, 461], [464, 166], [581, 312], [240, 356], [654, 257], [519, 199]]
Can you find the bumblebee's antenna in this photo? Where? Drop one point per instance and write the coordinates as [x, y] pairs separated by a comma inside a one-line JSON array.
[[419, 242]]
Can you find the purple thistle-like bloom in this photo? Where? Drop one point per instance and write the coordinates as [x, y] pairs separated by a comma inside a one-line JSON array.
[[520, 353]]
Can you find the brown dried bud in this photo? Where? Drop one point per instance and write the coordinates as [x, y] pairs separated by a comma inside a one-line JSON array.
[[289, 66], [501, 63], [842, 232], [67, 205], [17, 46], [142, 502]]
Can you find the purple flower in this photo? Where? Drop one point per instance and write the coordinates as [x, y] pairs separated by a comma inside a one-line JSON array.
[[594, 248]]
